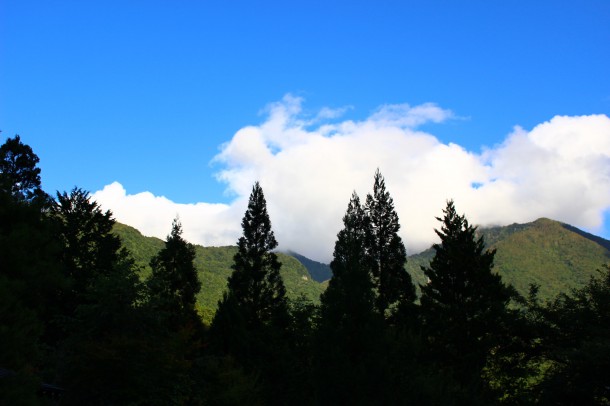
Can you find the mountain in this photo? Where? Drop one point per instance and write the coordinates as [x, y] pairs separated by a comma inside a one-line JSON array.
[[214, 267], [554, 255], [551, 254], [319, 271]]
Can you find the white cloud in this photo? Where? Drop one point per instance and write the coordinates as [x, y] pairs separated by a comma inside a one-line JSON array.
[[403, 115], [203, 223], [560, 169]]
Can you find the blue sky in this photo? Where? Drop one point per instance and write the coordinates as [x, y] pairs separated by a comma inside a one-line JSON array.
[[148, 93]]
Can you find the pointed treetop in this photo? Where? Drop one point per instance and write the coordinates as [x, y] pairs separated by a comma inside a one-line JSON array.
[[256, 223], [455, 227], [176, 229], [174, 282], [464, 303], [386, 251], [256, 286], [380, 206], [351, 239], [354, 210]]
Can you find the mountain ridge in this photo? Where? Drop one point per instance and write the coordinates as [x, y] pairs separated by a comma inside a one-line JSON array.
[[551, 254], [213, 266], [554, 255]]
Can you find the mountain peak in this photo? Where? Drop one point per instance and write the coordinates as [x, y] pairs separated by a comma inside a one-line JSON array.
[[554, 255]]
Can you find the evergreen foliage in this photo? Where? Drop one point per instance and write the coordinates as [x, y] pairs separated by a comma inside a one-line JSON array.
[[19, 174], [89, 246], [553, 255], [575, 344], [386, 252], [213, 265], [115, 348], [464, 304], [255, 285], [98, 321], [319, 271], [350, 335], [174, 284], [29, 273], [252, 320], [75, 312]]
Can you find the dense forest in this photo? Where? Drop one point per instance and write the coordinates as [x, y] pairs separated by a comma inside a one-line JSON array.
[[83, 323]]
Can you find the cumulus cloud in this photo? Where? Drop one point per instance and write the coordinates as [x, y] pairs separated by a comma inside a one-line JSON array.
[[203, 223], [559, 169]]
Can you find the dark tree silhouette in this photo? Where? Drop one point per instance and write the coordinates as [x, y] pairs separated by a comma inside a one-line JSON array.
[[174, 283], [256, 285], [19, 174], [89, 246], [114, 348], [576, 345], [29, 272], [252, 321], [464, 303], [387, 253], [350, 335]]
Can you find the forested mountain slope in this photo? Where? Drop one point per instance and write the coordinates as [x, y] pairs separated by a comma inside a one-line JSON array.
[[214, 267], [551, 254], [318, 270], [554, 255]]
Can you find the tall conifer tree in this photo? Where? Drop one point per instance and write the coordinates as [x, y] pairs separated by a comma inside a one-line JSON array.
[[386, 252], [252, 319], [174, 284], [464, 303], [255, 285], [348, 346]]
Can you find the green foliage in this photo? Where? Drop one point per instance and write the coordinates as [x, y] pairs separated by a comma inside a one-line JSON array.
[[350, 290], [142, 249], [228, 384], [464, 304], [29, 273], [386, 252], [29, 281], [88, 246], [75, 310], [20, 327], [116, 348], [174, 284], [348, 365], [256, 284], [319, 271], [105, 348], [576, 344], [213, 266], [99, 339], [252, 320], [19, 174], [547, 253]]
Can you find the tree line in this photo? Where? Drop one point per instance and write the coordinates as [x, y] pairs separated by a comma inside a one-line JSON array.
[[80, 325]]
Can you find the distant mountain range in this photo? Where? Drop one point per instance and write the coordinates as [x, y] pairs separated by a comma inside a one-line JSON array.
[[553, 255]]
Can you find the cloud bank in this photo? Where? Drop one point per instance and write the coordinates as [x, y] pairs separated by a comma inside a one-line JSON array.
[[308, 169]]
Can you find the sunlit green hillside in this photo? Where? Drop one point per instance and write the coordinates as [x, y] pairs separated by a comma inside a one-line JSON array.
[[214, 267], [553, 255]]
